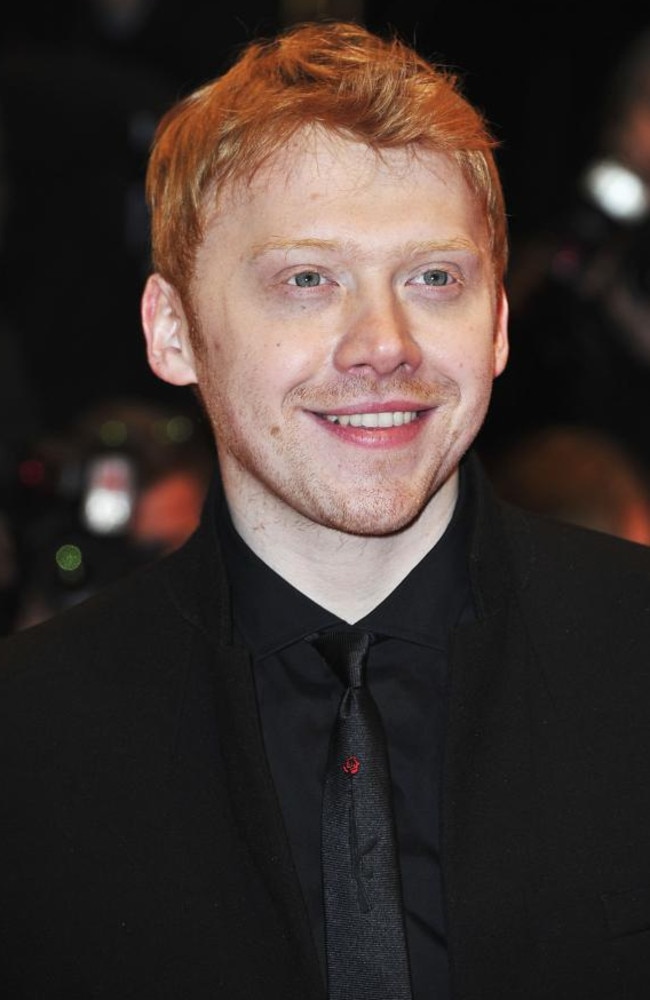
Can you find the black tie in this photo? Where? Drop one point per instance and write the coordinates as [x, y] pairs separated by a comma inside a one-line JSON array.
[[364, 922]]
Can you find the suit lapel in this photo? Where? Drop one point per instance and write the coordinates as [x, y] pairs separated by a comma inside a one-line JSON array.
[[487, 780], [224, 667]]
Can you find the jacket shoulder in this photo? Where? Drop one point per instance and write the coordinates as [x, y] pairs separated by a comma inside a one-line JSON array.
[[126, 627], [585, 598], [549, 553]]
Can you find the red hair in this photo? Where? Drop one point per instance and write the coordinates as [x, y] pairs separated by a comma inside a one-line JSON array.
[[337, 76]]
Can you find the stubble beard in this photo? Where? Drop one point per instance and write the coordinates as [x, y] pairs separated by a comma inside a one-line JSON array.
[[379, 506], [281, 484]]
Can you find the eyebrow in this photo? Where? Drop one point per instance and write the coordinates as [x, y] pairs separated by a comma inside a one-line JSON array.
[[411, 249]]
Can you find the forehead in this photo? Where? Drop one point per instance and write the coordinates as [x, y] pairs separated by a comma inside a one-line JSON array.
[[319, 168]]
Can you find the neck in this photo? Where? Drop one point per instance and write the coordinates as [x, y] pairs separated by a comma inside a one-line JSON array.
[[348, 575]]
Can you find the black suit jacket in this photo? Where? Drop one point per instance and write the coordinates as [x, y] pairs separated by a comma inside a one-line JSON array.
[[142, 849]]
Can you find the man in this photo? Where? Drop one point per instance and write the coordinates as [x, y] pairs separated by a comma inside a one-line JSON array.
[[329, 245]]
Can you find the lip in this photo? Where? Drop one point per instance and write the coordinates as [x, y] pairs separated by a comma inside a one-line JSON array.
[[396, 436]]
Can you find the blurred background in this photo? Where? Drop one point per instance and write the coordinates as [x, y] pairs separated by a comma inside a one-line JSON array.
[[102, 466]]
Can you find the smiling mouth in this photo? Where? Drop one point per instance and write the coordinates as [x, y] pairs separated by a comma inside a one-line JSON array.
[[395, 418]]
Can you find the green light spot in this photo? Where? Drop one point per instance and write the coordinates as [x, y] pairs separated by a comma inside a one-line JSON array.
[[179, 429], [69, 558], [113, 432]]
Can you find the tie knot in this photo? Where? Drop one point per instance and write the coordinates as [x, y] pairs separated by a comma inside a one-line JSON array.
[[345, 651]]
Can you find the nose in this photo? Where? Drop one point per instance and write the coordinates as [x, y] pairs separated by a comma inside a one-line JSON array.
[[377, 337]]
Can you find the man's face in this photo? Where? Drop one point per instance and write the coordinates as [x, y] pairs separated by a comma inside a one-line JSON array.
[[350, 333]]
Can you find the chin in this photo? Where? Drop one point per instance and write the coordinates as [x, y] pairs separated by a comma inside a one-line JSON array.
[[370, 515]]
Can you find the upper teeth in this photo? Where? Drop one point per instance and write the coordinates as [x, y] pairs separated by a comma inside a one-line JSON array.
[[373, 419]]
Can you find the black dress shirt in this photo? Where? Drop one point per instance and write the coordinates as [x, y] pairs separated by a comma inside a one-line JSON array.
[[407, 671]]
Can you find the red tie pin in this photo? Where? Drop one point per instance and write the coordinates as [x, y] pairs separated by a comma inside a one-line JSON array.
[[351, 765]]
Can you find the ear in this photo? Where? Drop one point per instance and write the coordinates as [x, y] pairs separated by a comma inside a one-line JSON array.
[[166, 331], [501, 347]]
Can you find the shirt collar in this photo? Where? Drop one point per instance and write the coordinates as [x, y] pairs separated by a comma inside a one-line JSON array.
[[421, 609]]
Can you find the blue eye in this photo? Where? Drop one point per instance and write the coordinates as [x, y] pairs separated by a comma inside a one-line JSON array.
[[436, 277], [307, 279]]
